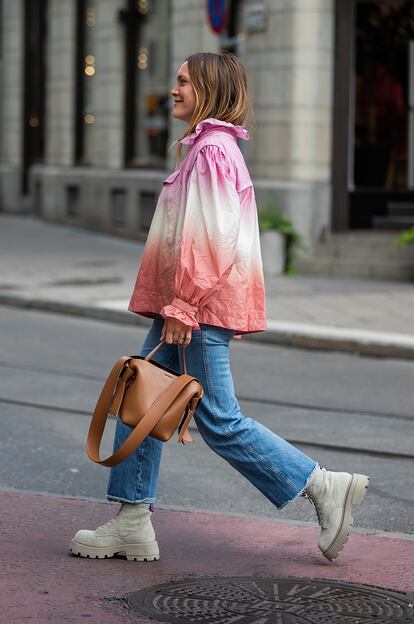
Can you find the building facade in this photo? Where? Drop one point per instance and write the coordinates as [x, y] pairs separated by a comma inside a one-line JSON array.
[[86, 133]]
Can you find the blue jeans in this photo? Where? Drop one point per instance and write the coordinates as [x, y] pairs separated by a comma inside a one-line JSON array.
[[276, 468]]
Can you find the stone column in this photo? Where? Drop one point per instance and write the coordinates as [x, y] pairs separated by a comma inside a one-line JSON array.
[[109, 84], [289, 69], [60, 79], [11, 148]]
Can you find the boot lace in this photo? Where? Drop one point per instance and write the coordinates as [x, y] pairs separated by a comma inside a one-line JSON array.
[[108, 524], [314, 502]]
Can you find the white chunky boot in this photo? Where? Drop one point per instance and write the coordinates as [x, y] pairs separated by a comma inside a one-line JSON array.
[[333, 494], [130, 532]]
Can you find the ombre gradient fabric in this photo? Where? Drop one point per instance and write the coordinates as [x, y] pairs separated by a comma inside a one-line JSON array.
[[202, 261]]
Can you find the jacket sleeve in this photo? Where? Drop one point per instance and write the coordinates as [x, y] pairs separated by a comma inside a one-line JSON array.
[[209, 238]]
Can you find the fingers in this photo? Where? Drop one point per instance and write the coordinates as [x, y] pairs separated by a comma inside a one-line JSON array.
[[188, 337], [175, 332], [170, 333]]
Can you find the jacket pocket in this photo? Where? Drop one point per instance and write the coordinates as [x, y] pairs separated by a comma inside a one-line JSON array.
[[170, 188], [172, 177]]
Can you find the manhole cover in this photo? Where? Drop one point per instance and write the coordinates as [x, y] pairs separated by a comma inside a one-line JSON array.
[[250, 600]]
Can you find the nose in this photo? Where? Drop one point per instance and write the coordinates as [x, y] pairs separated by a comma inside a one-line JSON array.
[[174, 91]]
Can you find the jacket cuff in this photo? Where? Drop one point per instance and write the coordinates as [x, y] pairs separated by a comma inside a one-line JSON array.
[[182, 311]]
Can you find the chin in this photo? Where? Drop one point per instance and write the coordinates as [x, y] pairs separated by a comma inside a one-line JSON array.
[[178, 117]]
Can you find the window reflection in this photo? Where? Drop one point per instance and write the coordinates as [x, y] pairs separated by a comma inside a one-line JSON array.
[[151, 84], [384, 31]]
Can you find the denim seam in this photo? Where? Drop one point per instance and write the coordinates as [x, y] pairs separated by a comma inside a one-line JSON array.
[[140, 458], [228, 434]]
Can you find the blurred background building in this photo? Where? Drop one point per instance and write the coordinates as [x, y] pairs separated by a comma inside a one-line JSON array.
[[85, 128]]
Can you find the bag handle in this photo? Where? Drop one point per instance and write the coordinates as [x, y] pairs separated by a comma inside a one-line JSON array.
[[154, 351]]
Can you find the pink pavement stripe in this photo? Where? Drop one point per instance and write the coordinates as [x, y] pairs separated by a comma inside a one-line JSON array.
[[41, 581]]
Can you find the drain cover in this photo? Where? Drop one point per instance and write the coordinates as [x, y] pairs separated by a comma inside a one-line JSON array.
[[251, 600]]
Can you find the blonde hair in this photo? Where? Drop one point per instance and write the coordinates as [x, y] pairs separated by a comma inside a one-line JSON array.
[[220, 87]]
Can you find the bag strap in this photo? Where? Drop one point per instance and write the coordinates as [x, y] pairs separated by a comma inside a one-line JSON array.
[[154, 351], [144, 427]]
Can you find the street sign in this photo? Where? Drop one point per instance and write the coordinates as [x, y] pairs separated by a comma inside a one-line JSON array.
[[218, 13], [255, 17]]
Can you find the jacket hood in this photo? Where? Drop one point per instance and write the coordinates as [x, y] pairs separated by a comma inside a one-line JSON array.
[[208, 124]]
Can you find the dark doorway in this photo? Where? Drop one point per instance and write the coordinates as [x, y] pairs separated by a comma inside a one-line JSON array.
[[373, 162], [34, 85]]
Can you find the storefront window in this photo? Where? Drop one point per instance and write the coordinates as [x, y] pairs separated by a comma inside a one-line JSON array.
[[148, 83], [85, 74], [34, 127], [384, 31]]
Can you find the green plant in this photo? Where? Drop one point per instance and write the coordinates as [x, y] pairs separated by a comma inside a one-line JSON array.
[[405, 238], [271, 219]]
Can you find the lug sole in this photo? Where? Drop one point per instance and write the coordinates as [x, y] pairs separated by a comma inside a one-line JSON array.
[[132, 552], [355, 495]]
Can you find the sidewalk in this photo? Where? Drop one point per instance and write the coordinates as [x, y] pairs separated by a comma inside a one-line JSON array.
[[41, 582], [51, 267], [59, 268]]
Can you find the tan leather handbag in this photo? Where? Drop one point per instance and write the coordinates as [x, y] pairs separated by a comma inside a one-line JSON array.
[[147, 396]]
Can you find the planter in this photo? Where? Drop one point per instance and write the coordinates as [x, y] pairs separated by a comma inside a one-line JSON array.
[[273, 248]]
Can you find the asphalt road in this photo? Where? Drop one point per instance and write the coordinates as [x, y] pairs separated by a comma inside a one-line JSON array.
[[348, 413]]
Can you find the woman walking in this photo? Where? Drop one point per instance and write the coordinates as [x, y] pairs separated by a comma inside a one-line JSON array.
[[201, 281]]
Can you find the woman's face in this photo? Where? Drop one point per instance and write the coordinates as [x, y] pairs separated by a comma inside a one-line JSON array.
[[184, 96]]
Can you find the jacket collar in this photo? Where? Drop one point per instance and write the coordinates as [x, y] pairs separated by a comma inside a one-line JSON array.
[[212, 124]]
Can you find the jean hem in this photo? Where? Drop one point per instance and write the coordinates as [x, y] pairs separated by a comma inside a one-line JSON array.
[[301, 491], [119, 499]]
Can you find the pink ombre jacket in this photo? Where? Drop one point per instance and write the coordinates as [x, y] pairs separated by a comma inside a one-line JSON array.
[[202, 261]]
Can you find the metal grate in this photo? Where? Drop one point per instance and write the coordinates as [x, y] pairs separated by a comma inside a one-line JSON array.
[[251, 600]]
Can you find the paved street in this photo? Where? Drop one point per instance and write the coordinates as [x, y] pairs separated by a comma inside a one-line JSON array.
[[348, 412], [328, 403]]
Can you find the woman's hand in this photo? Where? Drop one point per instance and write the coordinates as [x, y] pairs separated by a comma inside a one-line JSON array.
[[176, 332]]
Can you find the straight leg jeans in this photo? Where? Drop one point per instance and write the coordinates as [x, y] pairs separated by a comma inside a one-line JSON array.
[[276, 468]]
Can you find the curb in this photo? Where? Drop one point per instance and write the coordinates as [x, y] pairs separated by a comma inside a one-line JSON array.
[[299, 335], [347, 340]]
